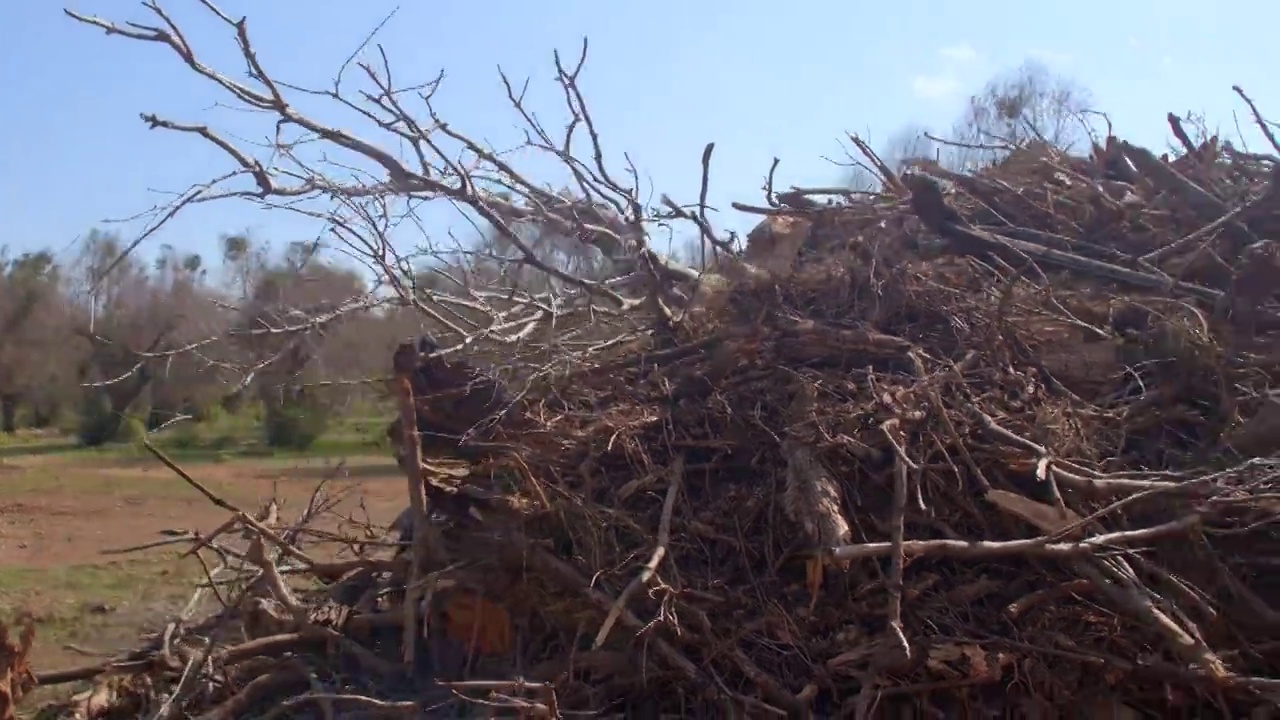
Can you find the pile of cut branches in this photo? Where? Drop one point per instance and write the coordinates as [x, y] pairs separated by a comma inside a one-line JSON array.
[[1004, 447], [997, 445], [299, 618]]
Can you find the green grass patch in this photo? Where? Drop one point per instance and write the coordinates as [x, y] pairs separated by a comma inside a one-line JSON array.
[[102, 607], [45, 446], [111, 475], [346, 440], [218, 435], [80, 479]]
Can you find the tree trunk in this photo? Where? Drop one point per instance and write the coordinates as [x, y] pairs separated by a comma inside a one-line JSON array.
[[9, 413], [44, 413], [106, 407]]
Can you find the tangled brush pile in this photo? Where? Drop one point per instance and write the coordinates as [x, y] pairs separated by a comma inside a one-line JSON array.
[[995, 447]]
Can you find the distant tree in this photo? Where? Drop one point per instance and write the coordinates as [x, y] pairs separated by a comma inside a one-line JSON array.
[[1027, 104], [244, 259], [166, 337], [186, 385], [125, 322], [294, 305], [30, 322]]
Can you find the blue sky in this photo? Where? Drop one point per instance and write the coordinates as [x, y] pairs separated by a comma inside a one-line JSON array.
[[761, 79]]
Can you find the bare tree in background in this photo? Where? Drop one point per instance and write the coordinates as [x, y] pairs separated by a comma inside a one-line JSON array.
[[181, 384], [1025, 105], [243, 262], [32, 319], [127, 323], [283, 327]]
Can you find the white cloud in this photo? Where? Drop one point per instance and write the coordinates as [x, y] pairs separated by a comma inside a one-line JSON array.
[[955, 62], [934, 87], [959, 53]]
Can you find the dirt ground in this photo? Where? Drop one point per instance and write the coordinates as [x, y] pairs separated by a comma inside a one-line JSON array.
[[61, 518], [66, 511]]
